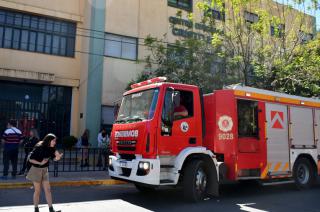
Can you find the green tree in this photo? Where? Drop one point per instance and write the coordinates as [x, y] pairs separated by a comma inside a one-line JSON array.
[[256, 48]]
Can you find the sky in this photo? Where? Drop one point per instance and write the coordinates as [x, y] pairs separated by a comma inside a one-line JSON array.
[[312, 12]]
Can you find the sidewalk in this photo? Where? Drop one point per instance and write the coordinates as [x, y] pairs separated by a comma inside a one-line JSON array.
[[64, 179]]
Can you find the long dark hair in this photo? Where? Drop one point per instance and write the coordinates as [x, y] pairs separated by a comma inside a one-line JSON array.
[[47, 140], [85, 134]]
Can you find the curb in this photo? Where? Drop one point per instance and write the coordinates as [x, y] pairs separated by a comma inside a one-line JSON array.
[[64, 183]]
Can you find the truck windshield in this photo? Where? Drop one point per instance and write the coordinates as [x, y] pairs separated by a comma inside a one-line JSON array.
[[138, 106]]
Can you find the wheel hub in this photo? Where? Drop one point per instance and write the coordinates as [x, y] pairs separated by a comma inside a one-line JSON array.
[[201, 180], [303, 174]]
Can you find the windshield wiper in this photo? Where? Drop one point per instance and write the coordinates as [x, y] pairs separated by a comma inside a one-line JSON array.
[[135, 119], [120, 121], [126, 120]]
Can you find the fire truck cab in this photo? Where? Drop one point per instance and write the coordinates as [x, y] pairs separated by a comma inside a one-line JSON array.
[[172, 134]]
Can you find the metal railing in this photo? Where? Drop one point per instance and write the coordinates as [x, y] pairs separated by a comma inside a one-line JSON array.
[[73, 160]]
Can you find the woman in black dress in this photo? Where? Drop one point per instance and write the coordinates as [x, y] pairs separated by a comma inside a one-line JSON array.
[[85, 147], [38, 173]]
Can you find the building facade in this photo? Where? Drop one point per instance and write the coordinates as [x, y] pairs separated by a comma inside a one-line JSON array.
[[65, 64]]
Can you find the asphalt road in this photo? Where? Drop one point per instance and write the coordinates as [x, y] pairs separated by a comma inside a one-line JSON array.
[[234, 197]]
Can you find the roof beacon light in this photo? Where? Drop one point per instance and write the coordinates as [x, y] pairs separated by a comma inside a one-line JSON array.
[[148, 82]]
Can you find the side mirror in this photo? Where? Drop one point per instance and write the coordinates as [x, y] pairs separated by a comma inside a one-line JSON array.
[[168, 109]]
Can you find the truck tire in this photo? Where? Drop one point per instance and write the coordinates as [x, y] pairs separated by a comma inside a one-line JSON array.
[[303, 173], [195, 181], [144, 189]]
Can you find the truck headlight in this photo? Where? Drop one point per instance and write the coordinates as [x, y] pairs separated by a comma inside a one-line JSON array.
[[143, 168], [110, 164]]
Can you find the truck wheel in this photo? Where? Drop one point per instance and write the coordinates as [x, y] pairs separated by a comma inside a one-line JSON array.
[[303, 173], [195, 181], [144, 189]]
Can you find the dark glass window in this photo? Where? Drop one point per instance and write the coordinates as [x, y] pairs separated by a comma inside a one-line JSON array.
[[10, 18], [2, 17], [279, 32], [7, 37], [248, 118], [182, 4], [34, 23], [70, 47], [42, 23], [121, 46], [1, 35], [26, 21], [217, 13], [29, 105], [37, 34], [32, 41], [251, 17], [40, 42], [183, 104], [63, 44], [64, 28], [18, 20], [49, 25], [16, 38], [57, 26], [48, 44], [24, 40], [55, 44], [305, 37]]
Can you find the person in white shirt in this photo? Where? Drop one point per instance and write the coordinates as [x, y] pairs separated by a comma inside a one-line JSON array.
[[103, 145]]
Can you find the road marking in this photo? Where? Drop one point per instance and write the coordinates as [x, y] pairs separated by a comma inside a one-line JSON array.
[[64, 183], [245, 207], [116, 205]]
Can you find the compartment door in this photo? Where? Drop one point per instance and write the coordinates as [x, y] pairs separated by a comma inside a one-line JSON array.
[[301, 127], [277, 139]]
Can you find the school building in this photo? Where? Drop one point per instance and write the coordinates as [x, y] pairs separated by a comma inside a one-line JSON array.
[[65, 64]]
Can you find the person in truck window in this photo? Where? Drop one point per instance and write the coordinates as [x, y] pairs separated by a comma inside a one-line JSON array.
[[38, 173], [180, 111]]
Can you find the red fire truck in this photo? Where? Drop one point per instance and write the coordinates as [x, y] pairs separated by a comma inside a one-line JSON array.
[[172, 134]]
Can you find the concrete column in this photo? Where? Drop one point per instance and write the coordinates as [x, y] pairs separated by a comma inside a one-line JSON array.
[[95, 69], [74, 123]]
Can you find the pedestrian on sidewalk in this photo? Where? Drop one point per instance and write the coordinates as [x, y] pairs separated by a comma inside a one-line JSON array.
[[103, 143], [12, 138], [84, 141], [38, 173], [28, 144]]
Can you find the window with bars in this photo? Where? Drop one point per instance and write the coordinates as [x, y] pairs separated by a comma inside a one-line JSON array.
[[277, 31], [33, 33], [182, 4], [251, 17], [305, 37], [217, 13], [121, 46]]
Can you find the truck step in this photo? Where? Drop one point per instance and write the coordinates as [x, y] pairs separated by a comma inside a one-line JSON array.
[[167, 181], [278, 182]]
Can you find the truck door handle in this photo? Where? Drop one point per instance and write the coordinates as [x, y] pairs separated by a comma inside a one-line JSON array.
[[192, 140]]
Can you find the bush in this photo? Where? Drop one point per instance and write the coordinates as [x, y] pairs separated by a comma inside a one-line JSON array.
[[69, 141]]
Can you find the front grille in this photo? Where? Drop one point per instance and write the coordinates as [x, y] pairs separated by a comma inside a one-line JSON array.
[[126, 172], [126, 145], [128, 157]]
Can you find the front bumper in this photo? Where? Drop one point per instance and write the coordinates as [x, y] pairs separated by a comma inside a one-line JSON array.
[[127, 170]]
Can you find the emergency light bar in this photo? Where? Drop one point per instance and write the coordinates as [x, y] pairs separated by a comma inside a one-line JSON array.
[[148, 82]]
